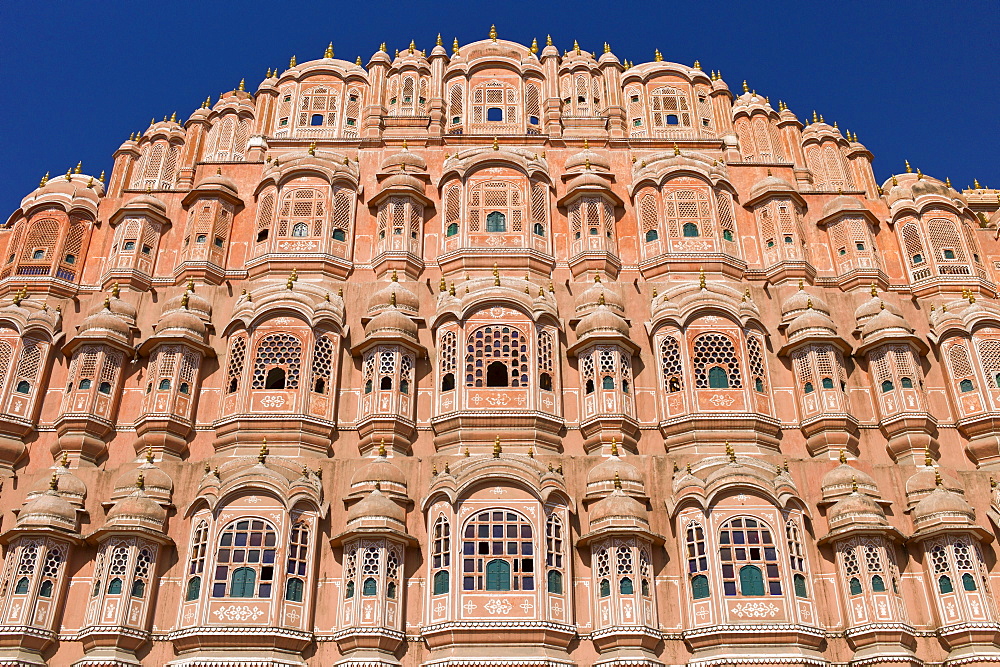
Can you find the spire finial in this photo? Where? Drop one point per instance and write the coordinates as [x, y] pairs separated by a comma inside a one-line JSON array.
[[618, 482], [730, 452], [600, 300], [657, 56], [496, 275], [497, 449], [548, 40], [843, 456], [65, 460], [597, 277], [607, 47], [395, 276], [701, 278], [815, 116], [312, 148], [45, 179], [746, 88], [677, 151], [534, 45], [854, 484], [381, 448], [496, 144], [909, 169], [928, 459], [454, 47], [79, 168], [329, 51], [115, 290], [576, 47], [614, 446], [292, 62], [242, 88], [413, 46], [149, 455], [140, 481], [697, 65], [54, 482], [493, 32], [874, 290], [937, 478], [262, 454]]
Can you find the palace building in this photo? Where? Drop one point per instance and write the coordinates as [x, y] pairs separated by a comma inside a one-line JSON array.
[[499, 356]]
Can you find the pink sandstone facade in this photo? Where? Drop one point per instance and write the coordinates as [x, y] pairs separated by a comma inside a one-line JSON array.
[[502, 357]]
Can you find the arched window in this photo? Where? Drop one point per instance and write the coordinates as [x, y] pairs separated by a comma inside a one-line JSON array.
[[196, 561], [715, 363], [497, 207], [23, 387], [796, 558], [699, 587], [249, 541], [749, 558], [555, 582], [496, 222], [673, 369], [498, 357], [697, 560], [293, 590], [554, 553], [498, 552], [277, 362], [237, 357], [690, 229], [369, 587], [302, 212]]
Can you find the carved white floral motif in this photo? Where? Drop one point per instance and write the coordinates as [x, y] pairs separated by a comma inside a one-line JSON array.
[[272, 401], [238, 613], [499, 606], [755, 610], [721, 399]]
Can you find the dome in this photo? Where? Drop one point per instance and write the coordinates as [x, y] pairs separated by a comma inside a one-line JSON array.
[[122, 308], [104, 321], [609, 468], [195, 302], [48, 509], [884, 321], [843, 478], [218, 181], [383, 298], [811, 319], [855, 508], [802, 300], [943, 502], [380, 470], [376, 506], [139, 507], [771, 185], [181, 319], [618, 508], [841, 204], [587, 159], [872, 307], [925, 481], [391, 321], [591, 297], [601, 321], [71, 487], [155, 482], [404, 160], [147, 200]]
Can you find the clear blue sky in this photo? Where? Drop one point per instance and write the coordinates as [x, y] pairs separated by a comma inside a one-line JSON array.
[[916, 80]]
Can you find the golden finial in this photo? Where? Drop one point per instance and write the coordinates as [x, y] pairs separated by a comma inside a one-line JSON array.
[[149, 454], [881, 305], [107, 303], [268, 75], [447, 468], [843, 456], [697, 65], [115, 290], [548, 40], [262, 455], [677, 468], [140, 481], [972, 297], [600, 300], [586, 164], [552, 289], [576, 47], [329, 51], [654, 293], [288, 283], [79, 168], [357, 61], [395, 277], [614, 446], [975, 182], [381, 47], [312, 148], [815, 116], [242, 88], [497, 449], [928, 459], [434, 470], [467, 453], [68, 177], [894, 181], [809, 303], [920, 174], [527, 289], [784, 465], [496, 275], [731, 453], [688, 468], [854, 484], [657, 56], [559, 469], [746, 88], [677, 151], [54, 482], [607, 47], [413, 46], [937, 479], [496, 144], [541, 291], [534, 45], [701, 278], [45, 179], [909, 169], [821, 118], [184, 301], [618, 482], [454, 47], [493, 33], [65, 460], [597, 277], [874, 290], [443, 285], [392, 299], [947, 181]]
